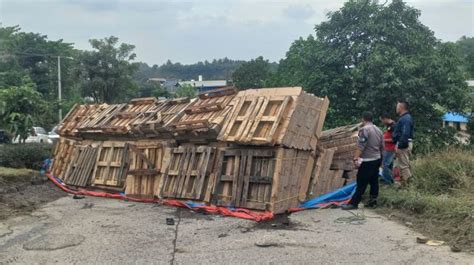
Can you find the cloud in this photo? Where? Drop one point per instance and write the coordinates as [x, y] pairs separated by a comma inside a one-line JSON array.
[[188, 31]]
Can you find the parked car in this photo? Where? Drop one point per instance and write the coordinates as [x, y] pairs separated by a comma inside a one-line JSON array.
[[36, 135], [53, 135], [4, 139]]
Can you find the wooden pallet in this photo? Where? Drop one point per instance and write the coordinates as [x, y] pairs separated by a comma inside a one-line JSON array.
[[62, 156], [306, 123], [155, 121], [111, 164], [80, 167], [120, 122], [76, 116], [204, 117], [320, 173], [186, 172], [283, 116], [144, 176], [344, 140], [262, 179]]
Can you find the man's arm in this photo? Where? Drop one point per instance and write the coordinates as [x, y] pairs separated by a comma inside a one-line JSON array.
[[396, 133], [404, 135], [362, 143]]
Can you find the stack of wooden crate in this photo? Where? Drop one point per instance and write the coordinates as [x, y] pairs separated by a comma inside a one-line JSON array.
[[334, 165], [257, 149]]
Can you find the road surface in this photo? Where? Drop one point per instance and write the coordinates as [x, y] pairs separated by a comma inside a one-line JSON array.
[[107, 231]]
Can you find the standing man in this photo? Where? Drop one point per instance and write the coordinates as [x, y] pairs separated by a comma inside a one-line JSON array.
[[389, 150], [402, 138], [368, 158]]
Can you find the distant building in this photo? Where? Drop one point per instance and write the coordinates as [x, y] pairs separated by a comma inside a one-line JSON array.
[[171, 86], [204, 85], [158, 80], [200, 85], [457, 121], [470, 83]]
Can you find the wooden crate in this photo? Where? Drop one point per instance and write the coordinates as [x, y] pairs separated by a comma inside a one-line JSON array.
[[187, 172], [78, 115], [306, 123], [79, 172], [344, 140], [62, 156], [278, 116], [263, 179], [204, 117], [120, 122], [155, 121], [321, 180], [144, 176], [92, 124], [111, 164]]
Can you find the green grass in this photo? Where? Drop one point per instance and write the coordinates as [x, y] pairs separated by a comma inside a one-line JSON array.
[[11, 173], [440, 200]]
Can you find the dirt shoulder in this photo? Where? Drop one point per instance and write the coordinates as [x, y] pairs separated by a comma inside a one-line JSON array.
[[23, 191]]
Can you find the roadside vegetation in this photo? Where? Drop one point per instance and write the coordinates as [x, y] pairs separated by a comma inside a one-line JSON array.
[[440, 200], [29, 156]]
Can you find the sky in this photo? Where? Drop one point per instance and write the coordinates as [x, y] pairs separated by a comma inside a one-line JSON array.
[[191, 31]]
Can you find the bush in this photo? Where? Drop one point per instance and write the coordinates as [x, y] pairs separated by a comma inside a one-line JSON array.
[[24, 155], [444, 171], [440, 200]]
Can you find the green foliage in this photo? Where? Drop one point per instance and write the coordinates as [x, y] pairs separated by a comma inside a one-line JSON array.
[[106, 72], [440, 200], [216, 69], [21, 108], [444, 171], [368, 55], [152, 89], [185, 91], [24, 155], [32, 58], [465, 47], [252, 74]]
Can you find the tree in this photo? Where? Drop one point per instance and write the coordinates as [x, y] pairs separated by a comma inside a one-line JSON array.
[[368, 55], [152, 89], [185, 91], [32, 58], [21, 108], [252, 74], [106, 72], [465, 47]]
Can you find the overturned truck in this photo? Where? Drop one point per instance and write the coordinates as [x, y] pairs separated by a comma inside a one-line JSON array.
[[260, 149]]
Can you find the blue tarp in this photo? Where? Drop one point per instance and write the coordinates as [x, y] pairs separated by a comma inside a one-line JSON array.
[[339, 195]]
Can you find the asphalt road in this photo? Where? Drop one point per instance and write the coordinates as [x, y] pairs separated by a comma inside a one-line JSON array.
[[107, 231]]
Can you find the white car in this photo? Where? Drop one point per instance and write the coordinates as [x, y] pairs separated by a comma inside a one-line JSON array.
[[36, 135], [53, 135]]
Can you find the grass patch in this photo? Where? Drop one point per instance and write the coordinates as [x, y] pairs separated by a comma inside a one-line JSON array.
[[440, 200], [6, 172]]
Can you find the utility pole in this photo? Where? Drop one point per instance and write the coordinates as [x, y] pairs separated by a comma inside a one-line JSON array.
[[60, 111]]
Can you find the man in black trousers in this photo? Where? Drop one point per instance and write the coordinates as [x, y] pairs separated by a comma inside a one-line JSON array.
[[368, 159]]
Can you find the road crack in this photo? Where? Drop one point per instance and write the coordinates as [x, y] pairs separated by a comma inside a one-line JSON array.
[[175, 240]]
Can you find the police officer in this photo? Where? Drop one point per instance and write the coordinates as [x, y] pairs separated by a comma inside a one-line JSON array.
[[368, 159]]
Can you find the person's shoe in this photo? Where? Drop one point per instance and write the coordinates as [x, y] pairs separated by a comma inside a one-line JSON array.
[[371, 204], [348, 207]]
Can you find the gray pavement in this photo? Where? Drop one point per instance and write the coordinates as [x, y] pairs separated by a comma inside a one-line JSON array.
[[107, 231]]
